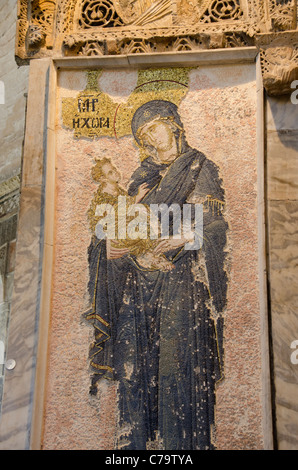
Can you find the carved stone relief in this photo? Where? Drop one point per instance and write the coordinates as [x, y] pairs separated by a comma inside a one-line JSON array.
[[108, 27], [41, 24], [283, 14], [279, 61]]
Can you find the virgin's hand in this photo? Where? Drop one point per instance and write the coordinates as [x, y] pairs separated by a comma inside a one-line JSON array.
[[168, 245], [115, 253]]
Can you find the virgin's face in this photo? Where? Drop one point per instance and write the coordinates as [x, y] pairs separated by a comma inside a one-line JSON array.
[[159, 135]]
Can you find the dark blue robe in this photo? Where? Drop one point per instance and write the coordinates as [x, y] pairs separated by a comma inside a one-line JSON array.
[[155, 334]]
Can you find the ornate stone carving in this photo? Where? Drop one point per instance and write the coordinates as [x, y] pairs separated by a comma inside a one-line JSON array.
[[22, 27], [36, 36], [220, 11], [104, 27], [41, 24], [279, 60], [283, 14], [44, 24], [94, 13]]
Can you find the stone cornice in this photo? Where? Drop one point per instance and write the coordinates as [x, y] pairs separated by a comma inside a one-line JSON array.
[[72, 28]]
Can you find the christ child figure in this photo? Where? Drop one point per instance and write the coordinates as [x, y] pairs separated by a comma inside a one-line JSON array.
[[106, 197]]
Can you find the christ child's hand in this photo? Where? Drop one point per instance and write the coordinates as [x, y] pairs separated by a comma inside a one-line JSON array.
[[143, 190]]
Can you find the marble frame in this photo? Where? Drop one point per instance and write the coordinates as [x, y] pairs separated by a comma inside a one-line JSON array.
[[24, 391]]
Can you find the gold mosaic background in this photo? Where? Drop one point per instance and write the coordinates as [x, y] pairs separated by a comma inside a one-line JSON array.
[[94, 114]]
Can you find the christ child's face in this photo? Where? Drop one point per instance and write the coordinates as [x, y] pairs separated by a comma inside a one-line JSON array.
[[110, 173]]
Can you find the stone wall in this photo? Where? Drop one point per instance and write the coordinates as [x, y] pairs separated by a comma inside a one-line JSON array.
[[282, 208], [15, 79], [282, 202], [14, 83]]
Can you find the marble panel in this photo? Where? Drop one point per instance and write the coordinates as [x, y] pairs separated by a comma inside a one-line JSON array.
[[15, 426], [30, 222], [15, 80], [35, 141], [8, 229], [282, 114], [283, 256], [282, 164], [14, 430], [22, 327], [11, 256]]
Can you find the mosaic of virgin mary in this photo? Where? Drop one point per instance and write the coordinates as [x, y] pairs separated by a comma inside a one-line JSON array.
[[159, 333]]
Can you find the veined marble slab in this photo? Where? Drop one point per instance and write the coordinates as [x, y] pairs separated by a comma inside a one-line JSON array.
[[283, 242], [282, 114], [282, 164]]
